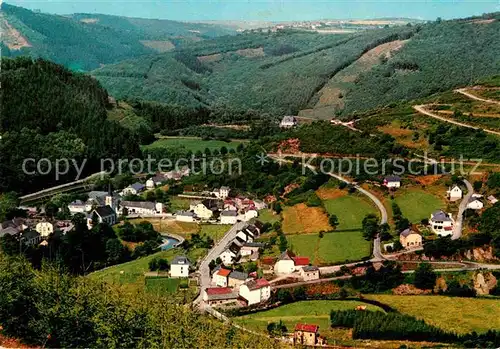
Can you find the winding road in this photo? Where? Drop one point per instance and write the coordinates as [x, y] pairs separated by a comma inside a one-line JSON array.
[[470, 95], [457, 227]]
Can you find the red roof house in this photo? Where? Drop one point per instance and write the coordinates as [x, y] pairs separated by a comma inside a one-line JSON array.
[[306, 328], [300, 261]]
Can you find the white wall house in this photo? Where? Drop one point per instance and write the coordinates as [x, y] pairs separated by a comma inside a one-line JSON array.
[[77, 206], [228, 217], [285, 264], [105, 214], [133, 189], [441, 223], [230, 254], [44, 228], [141, 207], [392, 182], [204, 209], [185, 216], [245, 235], [220, 277], [222, 192], [255, 291], [475, 204], [454, 193], [288, 121], [179, 267], [249, 215]]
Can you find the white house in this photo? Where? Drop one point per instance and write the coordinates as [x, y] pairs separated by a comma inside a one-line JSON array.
[[222, 192], [285, 263], [245, 235], [493, 200], [105, 214], [441, 223], [230, 254], [249, 214], [150, 184], [179, 267], [255, 291], [133, 189], [44, 228], [288, 121], [77, 206], [475, 204], [250, 248], [219, 278], [141, 207], [454, 193], [185, 216], [228, 217], [392, 182], [204, 209]]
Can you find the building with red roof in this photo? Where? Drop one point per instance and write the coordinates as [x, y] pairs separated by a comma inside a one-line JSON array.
[[220, 277], [219, 295], [288, 263], [255, 291], [301, 261], [307, 334]]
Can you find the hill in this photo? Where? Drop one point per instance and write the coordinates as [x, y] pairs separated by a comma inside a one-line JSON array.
[[85, 42], [50, 112], [288, 71]]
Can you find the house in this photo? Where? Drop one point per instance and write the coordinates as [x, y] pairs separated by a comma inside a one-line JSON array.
[[307, 335], [300, 262], [229, 255], [441, 223], [309, 272], [249, 214], [141, 207], [220, 277], [288, 121], [44, 228], [31, 237], [245, 235], [228, 217], [204, 209], [221, 193], [101, 198], [77, 206], [179, 267], [392, 182], [105, 214], [133, 189], [156, 181], [177, 174], [288, 263], [236, 279], [251, 248], [18, 224], [185, 216], [493, 200], [8, 231], [475, 204], [410, 238], [219, 295], [454, 193], [255, 291]]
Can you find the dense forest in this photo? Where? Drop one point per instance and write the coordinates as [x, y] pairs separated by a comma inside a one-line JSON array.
[[49, 112]]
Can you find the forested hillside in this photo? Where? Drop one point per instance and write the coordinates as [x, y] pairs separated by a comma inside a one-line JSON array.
[[85, 42], [49, 112], [282, 72]]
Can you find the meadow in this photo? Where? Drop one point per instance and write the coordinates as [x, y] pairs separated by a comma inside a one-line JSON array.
[[350, 210], [417, 204], [301, 219]]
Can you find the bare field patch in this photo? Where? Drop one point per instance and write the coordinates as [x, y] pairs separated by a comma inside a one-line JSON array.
[[330, 193], [303, 219], [210, 58], [251, 52], [428, 180], [12, 38], [395, 131], [89, 20], [159, 45]]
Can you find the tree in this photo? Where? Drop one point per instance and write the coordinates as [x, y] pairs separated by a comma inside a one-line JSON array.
[[385, 234], [283, 243], [334, 221], [223, 150], [370, 226], [424, 277]]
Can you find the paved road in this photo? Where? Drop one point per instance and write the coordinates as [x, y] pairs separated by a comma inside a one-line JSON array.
[[457, 228], [421, 109], [470, 95], [204, 269]]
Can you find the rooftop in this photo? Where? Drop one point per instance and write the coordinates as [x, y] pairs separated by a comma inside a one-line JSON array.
[[229, 213], [306, 328], [220, 293], [393, 179], [224, 272], [104, 211], [310, 268], [301, 260], [257, 284], [181, 260], [238, 275], [441, 216], [407, 232]]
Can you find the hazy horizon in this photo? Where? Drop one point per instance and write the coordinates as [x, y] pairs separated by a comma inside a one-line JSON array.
[[266, 10]]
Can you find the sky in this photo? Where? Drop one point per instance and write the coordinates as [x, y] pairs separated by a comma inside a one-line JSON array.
[[267, 10]]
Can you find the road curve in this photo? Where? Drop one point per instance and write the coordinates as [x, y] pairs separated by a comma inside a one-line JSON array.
[[470, 95], [457, 227], [421, 109]]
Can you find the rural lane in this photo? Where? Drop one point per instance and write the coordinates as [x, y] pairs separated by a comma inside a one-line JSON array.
[[457, 227], [218, 248], [421, 109], [470, 95]]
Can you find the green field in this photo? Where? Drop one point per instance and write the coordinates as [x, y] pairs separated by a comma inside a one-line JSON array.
[[267, 216], [460, 315], [350, 210], [311, 312], [332, 247], [417, 204], [215, 231], [161, 285], [193, 144]]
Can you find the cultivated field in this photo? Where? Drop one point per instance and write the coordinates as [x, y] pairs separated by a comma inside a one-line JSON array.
[[333, 247], [461, 315], [417, 204], [267, 216], [193, 144], [350, 210], [300, 219], [170, 226]]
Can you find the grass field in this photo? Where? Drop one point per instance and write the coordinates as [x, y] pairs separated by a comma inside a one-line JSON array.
[[193, 144], [267, 216], [161, 285], [332, 247], [310, 312], [456, 314], [418, 204], [215, 231], [350, 210], [303, 219], [170, 226], [178, 204]]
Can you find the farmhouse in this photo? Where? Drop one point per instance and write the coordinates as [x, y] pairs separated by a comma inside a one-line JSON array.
[[392, 182], [133, 189], [288, 263], [204, 209], [255, 291], [305, 334], [44, 228], [230, 254], [141, 207], [454, 193], [220, 277], [221, 193], [236, 279], [309, 272], [475, 204], [288, 121], [245, 235], [410, 238], [185, 216], [441, 223], [105, 214], [77, 206], [228, 217], [180, 267], [219, 295]]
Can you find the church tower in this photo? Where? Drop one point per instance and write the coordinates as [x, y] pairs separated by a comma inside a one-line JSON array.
[[109, 198]]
